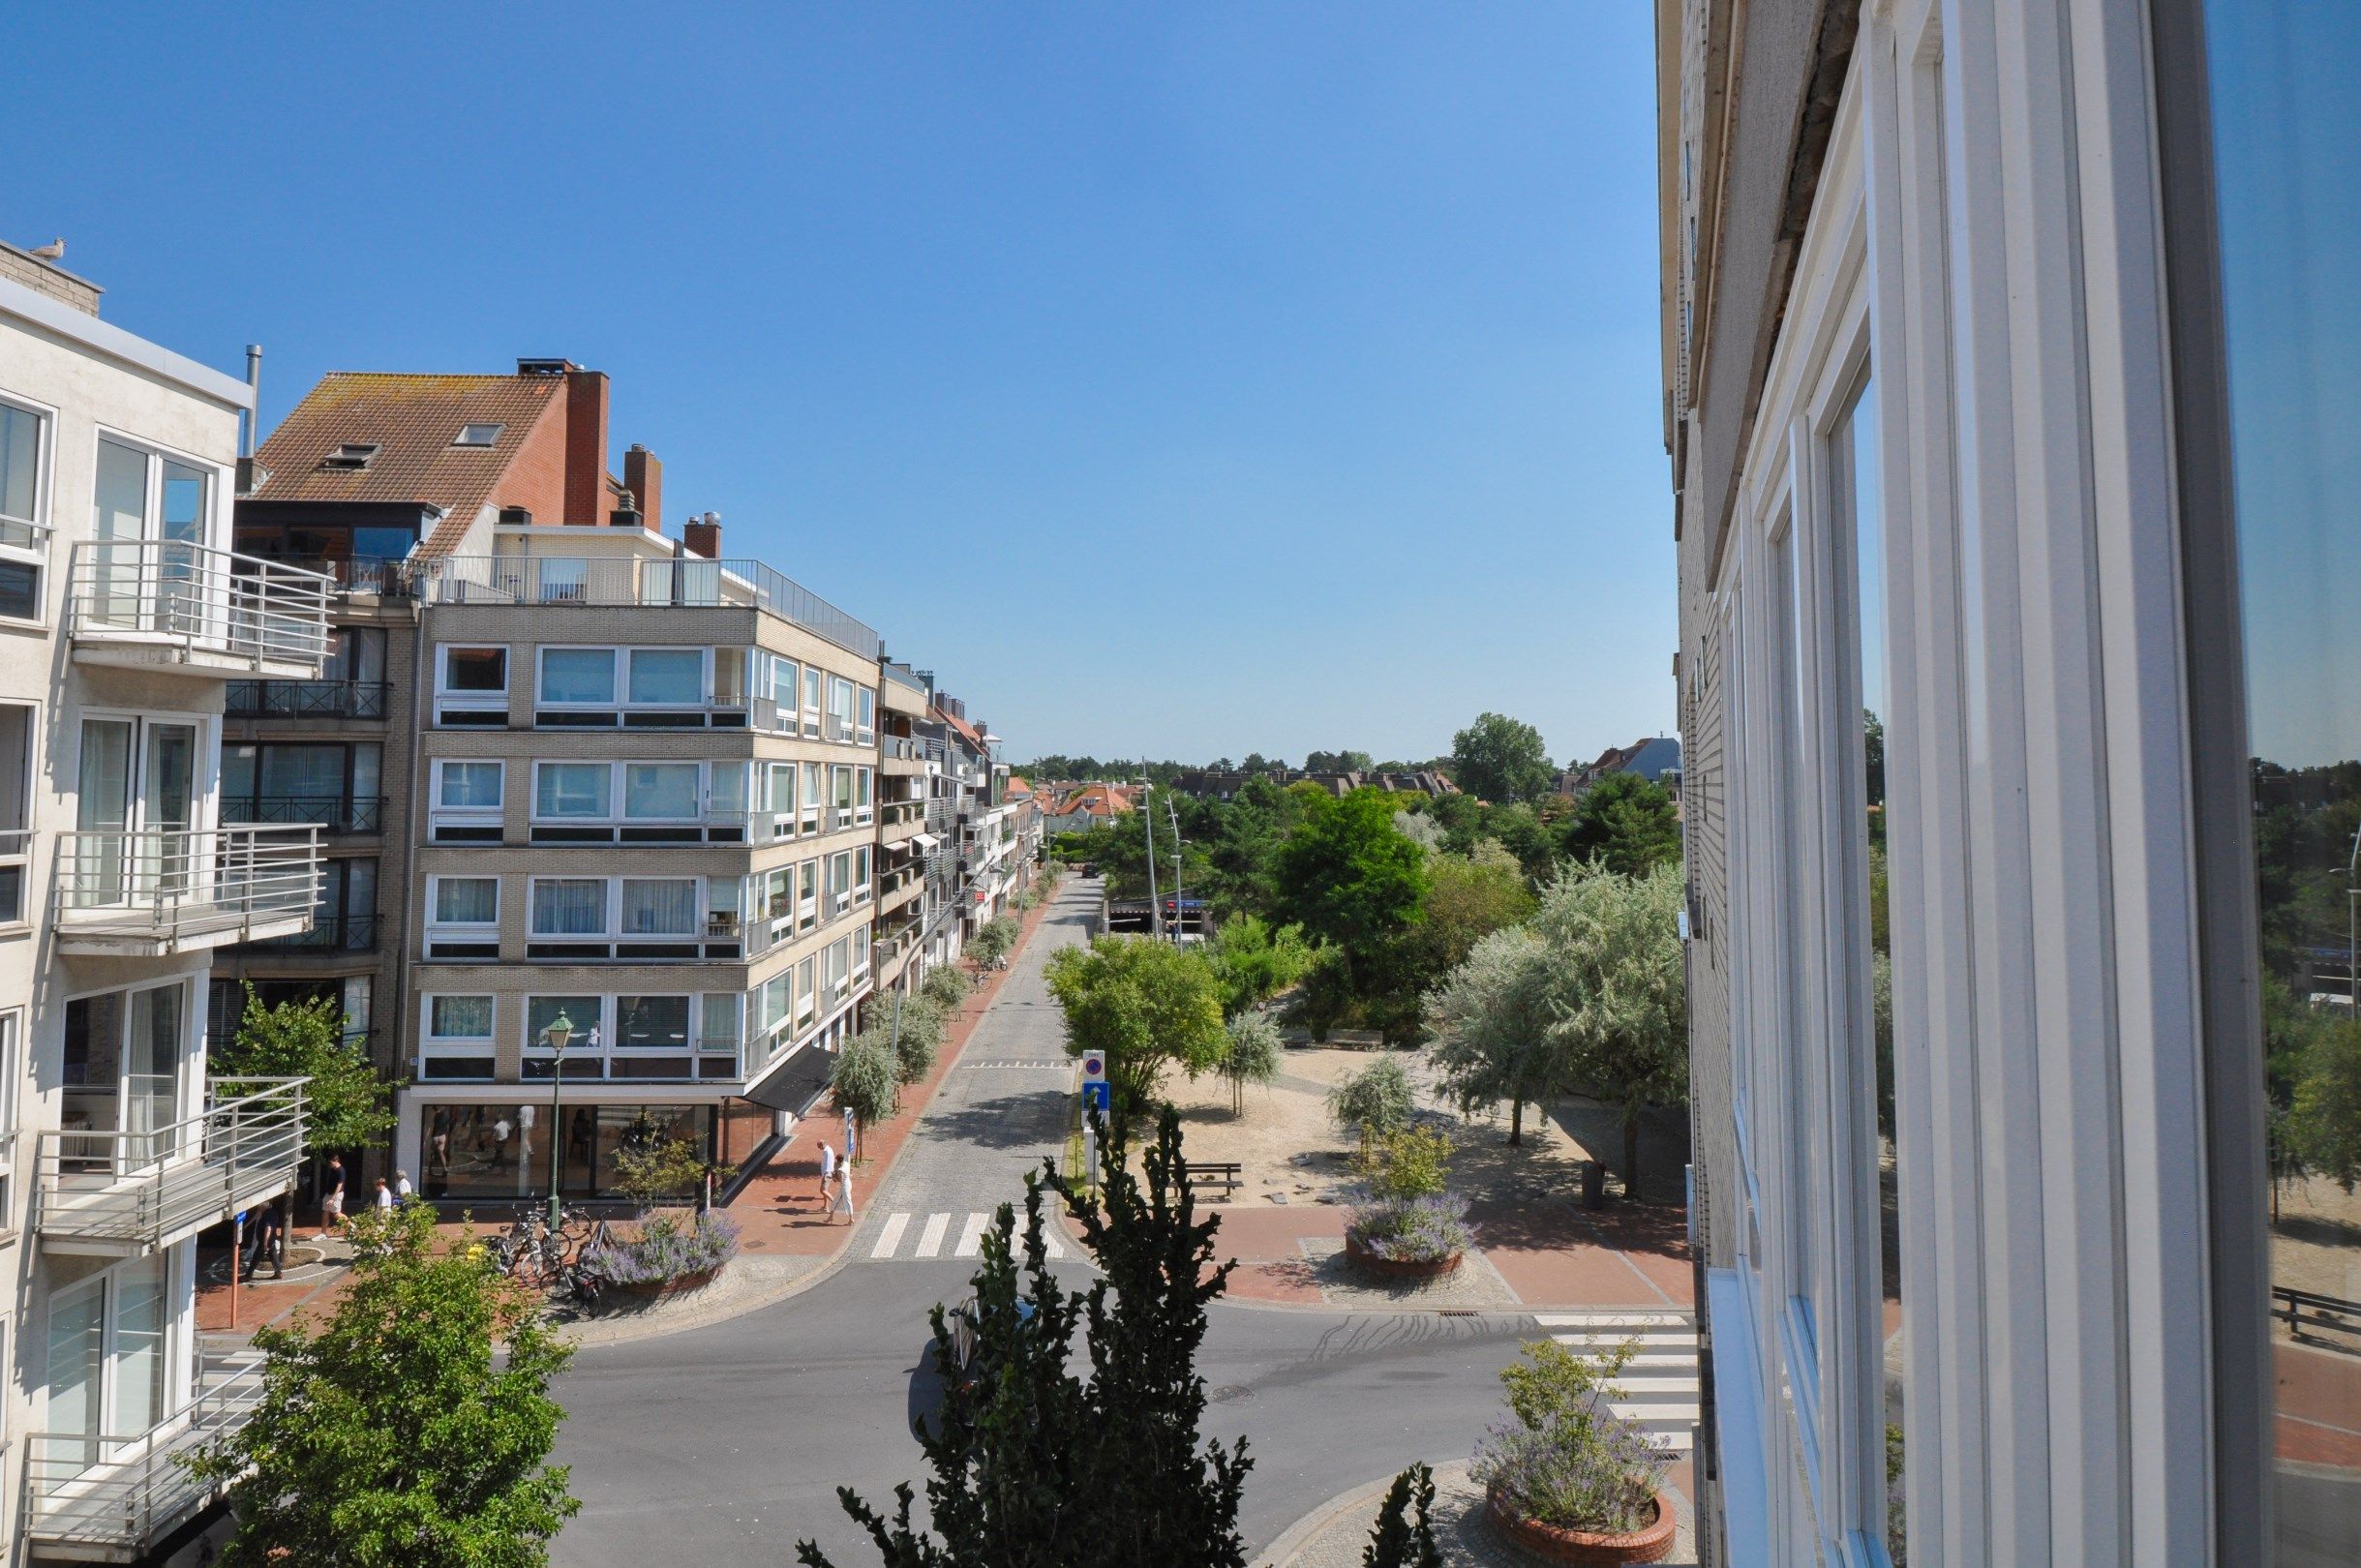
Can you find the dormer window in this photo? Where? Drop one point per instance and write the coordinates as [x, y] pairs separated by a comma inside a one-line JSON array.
[[478, 435], [351, 456]]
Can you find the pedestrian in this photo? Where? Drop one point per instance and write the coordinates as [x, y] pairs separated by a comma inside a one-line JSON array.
[[265, 1244], [384, 1198], [827, 1169], [500, 1143], [844, 1190], [332, 1200], [439, 1145], [402, 1188]]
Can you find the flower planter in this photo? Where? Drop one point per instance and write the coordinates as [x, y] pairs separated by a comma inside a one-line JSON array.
[[1399, 1268], [661, 1289], [1593, 1549]]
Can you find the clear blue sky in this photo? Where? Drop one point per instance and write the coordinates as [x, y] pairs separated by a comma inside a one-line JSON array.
[[1189, 380]]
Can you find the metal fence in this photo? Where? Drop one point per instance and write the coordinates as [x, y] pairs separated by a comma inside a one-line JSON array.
[[108, 1495], [164, 592], [182, 881], [632, 581], [308, 699]]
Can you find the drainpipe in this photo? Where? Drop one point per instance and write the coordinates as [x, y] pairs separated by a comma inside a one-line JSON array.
[[253, 415]]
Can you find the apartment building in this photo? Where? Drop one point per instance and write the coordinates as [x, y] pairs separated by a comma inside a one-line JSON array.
[[124, 619], [905, 840], [2008, 365]]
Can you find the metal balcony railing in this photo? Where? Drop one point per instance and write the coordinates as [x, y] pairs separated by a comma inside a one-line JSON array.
[[336, 813], [16, 871], [900, 748], [196, 601], [178, 884], [117, 1496], [308, 699], [128, 1189], [328, 933], [643, 583]]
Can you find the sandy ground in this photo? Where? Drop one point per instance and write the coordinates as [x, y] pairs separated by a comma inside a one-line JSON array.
[[2317, 1243]]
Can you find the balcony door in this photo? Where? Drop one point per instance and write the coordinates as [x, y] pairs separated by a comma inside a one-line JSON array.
[[110, 1345], [137, 792], [126, 1071], [142, 499]]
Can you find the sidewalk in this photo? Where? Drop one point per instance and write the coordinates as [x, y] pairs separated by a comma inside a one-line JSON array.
[[1333, 1535], [786, 1244]]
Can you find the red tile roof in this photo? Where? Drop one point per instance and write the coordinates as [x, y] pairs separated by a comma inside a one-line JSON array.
[[966, 730], [413, 420]]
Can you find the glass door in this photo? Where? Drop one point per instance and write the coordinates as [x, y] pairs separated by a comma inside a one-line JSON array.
[[118, 525], [101, 813], [77, 1370], [151, 1074], [168, 804], [182, 589], [136, 1360]]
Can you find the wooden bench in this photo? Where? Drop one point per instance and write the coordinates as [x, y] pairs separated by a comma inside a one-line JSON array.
[[2330, 1314], [1203, 1175]]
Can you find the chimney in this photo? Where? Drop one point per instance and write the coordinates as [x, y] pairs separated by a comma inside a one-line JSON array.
[[586, 445], [644, 477], [702, 536], [40, 270]]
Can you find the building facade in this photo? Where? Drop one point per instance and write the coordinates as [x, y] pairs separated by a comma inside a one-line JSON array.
[[124, 619], [2007, 356]]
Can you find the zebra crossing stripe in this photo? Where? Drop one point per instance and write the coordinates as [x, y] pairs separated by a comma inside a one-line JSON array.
[[971, 1237], [1659, 1382], [931, 1239], [890, 1237]]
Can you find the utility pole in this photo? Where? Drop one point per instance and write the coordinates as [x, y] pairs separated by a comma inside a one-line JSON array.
[[1147, 825], [1180, 920]]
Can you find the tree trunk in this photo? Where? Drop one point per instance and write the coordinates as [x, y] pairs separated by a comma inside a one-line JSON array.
[[1631, 1154], [1516, 1120]]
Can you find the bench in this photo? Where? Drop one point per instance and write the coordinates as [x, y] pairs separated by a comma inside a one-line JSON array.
[[2310, 1310], [1203, 1175]]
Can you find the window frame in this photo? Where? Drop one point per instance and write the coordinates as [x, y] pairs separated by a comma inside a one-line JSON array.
[[541, 698], [435, 925], [40, 527], [448, 696]]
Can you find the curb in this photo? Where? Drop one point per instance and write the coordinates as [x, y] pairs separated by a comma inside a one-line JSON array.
[[588, 1337], [1315, 1523]]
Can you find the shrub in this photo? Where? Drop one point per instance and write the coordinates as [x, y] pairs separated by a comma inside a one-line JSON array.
[[648, 1173], [1424, 1230], [1375, 1101], [1413, 1163], [948, 985], [1254, 1055], [668, 1246], [992, 941], [1567, 1459], [866, 1079]]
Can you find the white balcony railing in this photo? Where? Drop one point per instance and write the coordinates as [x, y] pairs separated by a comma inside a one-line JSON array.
[[194, 887], [198, 605], [128, 1189], [108, 1498]]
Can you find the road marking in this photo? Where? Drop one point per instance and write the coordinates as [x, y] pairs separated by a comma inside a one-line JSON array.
[[971, 1236], [890, 1237], [930, 1239], [1659, 1382], [1063, 1066], [1049, 1245]]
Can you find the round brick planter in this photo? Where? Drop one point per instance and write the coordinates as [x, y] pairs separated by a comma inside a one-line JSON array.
[[664, 1290], [1398, 1268], [1592, 1548]]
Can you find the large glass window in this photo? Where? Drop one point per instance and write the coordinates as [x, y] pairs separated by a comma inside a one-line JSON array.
[[569, 906], [2287, 121], [475, 671], [459, 1018], [643, 1022], [571, 789], [20, 475], [659, 906], [669, 676], [465, 786], [578, 675], [663, 790], [466, 900]]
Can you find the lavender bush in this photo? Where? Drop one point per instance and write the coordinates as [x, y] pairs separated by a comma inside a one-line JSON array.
[[668, 1246], [1567, 1459], [1423, 1230]]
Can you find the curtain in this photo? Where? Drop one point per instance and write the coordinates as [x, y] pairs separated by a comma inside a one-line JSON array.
[[461, 1017], [569, 907], [571, 789], [466, 900], [577, 675], [660, 908]]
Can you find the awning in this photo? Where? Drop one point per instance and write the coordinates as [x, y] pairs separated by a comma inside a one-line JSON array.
[[794, 1082], [923, 841]]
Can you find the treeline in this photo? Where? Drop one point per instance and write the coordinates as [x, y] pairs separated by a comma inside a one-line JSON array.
[[1058, 765]]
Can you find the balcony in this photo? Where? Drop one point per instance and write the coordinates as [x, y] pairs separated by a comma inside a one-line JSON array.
[[901, 756], [331, 933], [649, 582], [900, 821], [335, 814], [114, 1499], [308, 699], [147, 895], [122, 1191], [158, 604]]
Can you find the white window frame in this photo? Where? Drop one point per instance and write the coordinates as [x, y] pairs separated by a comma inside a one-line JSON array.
[[478, 700], [34, 550], [615, 675], [435, 927], [607, 903], [696, 919], [705, 677], [477, 1045], [440, 816], [12, 1077]]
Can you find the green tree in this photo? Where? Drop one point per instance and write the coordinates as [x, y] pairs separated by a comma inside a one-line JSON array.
[[1623, 998], [347, 1105], [1628, 823], [1375, 1102], [1348, 877], [1404, 1532], [914, 1029], [1469, 897], [1337, 761], [1520, 831], [1254, 1055], [1500, 760], [1036, 1465], [1493, 1027], [948, 985], [1145, 1004], [866, 1080], [649, 1172], [415, 1428], [2324, 1124], [993, 941], [1254, 962]]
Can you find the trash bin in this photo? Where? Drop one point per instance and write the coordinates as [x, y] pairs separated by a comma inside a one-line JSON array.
[[1593, 1184]]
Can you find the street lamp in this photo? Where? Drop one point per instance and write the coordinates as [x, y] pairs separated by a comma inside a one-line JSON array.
[[1147, 825], [1180, 917], [561, 1030]]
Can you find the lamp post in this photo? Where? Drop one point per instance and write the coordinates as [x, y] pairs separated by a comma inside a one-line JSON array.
[[561, 1030], [1147, 825], [1180, 917]]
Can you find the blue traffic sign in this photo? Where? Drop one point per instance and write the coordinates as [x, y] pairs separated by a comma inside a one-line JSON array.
[[1098, 1095]]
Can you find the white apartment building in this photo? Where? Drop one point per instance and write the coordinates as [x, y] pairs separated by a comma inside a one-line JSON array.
[[123, 616]]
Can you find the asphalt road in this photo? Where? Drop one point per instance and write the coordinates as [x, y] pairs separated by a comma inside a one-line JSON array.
[[728, 1443]]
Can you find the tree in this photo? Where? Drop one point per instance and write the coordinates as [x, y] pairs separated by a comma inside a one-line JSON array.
[[1336, 761], [1254, 1055], [1623, 1000], [345, 1106], [1144, 1005], [993, 940], [1420, 830], [1469, 897], [1500, 760], [866, 1080], [413, 1428], [1254, 962], [948, 987], [1493, 1027], [659, 1169], [1375, 1101], [1346, 874], [1038, 1466], [1404, 1532], [913, 1029], [2324, 1124], [1628, 823]]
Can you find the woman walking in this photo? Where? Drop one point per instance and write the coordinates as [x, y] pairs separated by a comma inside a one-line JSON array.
[[332, 1200], [844, 1192]]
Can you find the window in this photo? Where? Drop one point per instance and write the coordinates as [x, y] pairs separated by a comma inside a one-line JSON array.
[[807, 903], [478, 435], [585, 1013], [473, 671], [460, 1019], [664, 905], [17, 730], [467, 785], [841, 777], [465, 901], [19, 590], [577, 677], [642, 1022], [660, 791], [867, 731], [569, 906], [670, 677], [814, 794], [812, 680], [564, 790], [335, 786], [807, 992], [21, 458], [11, 1066]]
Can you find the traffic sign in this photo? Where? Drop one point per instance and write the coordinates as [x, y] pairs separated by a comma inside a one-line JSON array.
[[1098, 1095], [1093, 1068]]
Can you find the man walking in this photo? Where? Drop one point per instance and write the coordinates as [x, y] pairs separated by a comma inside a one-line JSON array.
[[266, 1244], [332, 1200], [827, 1171]]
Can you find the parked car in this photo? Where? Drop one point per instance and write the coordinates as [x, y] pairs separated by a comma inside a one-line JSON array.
[[966, 1345]]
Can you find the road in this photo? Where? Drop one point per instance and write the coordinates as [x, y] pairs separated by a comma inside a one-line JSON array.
[[732, 1439]]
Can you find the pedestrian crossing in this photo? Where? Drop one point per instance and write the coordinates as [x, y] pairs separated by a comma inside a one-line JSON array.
[[933, 1230], [1659, 1382]]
